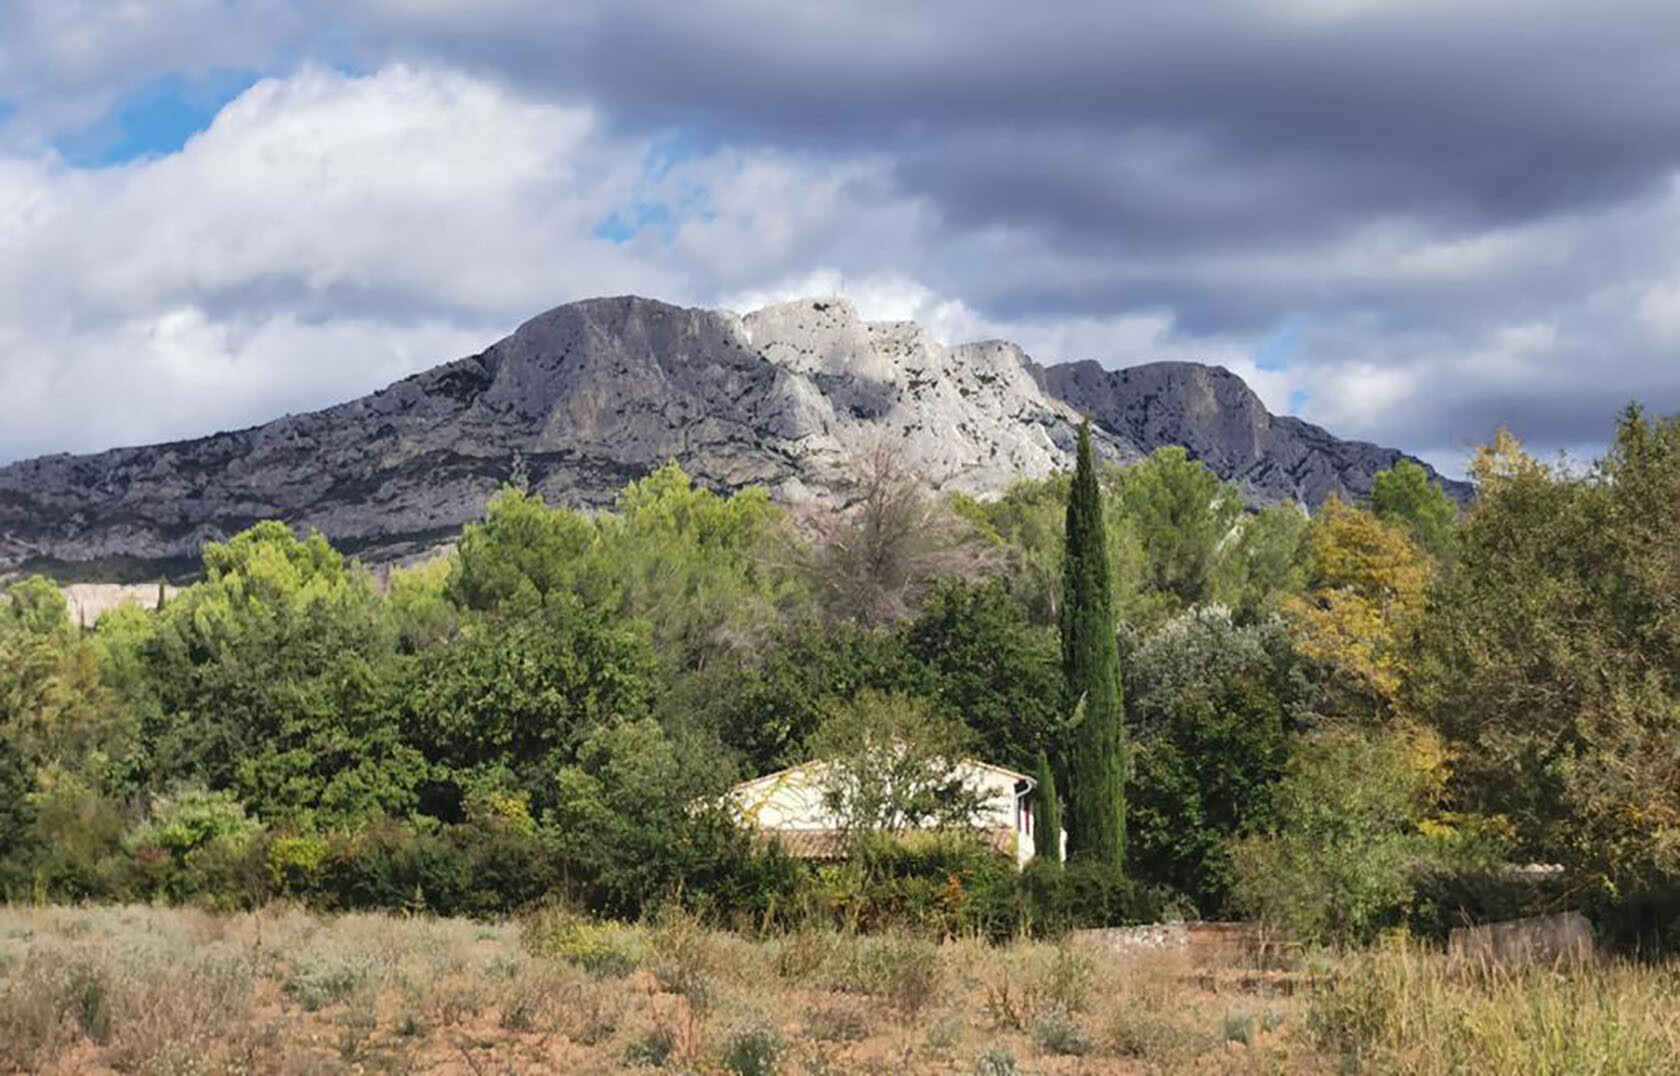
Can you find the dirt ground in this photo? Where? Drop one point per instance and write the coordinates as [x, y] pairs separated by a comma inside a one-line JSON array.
[[105, 990]]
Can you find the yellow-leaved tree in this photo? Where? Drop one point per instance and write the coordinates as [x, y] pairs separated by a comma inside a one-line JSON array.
[[1369, 589]]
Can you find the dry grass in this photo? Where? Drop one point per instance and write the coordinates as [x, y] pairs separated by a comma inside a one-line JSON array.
[[1398, 1010], [178, 991]]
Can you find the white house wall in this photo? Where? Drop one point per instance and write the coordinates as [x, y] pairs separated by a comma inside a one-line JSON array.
[[792, 802]]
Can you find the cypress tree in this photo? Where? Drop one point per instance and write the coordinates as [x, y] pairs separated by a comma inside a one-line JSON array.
[[1096, 802], [1047, 818]]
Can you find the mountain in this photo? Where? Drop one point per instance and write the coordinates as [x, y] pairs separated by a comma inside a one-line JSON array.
[[594, 393], [1218, 418]]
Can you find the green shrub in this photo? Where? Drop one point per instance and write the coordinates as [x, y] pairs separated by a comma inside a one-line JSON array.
[[902, 969], [682, 961], [934, 882], [1353, 837], [1239, 1027], [652, 1050], [1143, 1032], [320, 978], [198, 844], [294, 863], [482, 869], [839, 1021], [752, 1050], [1057, 1034], [1056, 898], [604, 950]]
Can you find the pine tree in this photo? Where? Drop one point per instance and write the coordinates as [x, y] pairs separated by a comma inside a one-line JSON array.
[[1047, 817], [1091, 671]]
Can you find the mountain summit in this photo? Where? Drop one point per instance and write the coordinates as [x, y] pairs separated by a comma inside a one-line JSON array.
[[594, 393]]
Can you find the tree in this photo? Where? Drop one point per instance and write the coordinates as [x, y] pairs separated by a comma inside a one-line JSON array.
[[1026, 526], [1210, 704], [36, 606], [1091, 673], [17, 815], [511, 699], [710, 574], [631, 820], [1369, 591], [1047, 818], [1181, 514], [892, 763], [273, 678], [523, 552], [1405, 495], [875, 560], [766, 710], [1265, 562], [1350, 838], [983, 661], [1551, 659], [58, 714]]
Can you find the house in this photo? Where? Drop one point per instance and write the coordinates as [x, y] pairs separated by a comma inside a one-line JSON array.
[[792, 806]]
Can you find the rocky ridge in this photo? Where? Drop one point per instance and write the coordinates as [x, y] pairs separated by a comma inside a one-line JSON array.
[[594, 393]]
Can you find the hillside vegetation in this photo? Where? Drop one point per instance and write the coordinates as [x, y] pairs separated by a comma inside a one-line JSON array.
[[1341, 724]]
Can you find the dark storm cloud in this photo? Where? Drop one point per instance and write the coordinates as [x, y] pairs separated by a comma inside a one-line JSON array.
[[1412, 178], [1141, 130], [1416, 183], [1501, 115]]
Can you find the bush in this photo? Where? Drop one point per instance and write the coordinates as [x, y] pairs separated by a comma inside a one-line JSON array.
[[604, 950], [1141, 1031], [1354, 837], [842, 1021], [294, 863], [482, 868], [752, 1050], [1645, 921], [198, 844], [1057, 898], [939, 883], [904, 971], [1058, 1034], [652, 1050]]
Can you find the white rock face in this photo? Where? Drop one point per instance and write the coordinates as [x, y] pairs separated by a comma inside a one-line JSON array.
[[593, 394], [969, 418], [88, 602]]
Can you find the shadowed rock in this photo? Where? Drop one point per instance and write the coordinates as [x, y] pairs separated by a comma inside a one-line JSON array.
[[595, 393]]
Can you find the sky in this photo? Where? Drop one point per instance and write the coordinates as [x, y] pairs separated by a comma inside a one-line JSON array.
[[1409, 221]]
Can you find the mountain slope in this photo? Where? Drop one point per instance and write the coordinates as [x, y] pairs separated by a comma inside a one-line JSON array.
[[1218, 418], [594, 393]]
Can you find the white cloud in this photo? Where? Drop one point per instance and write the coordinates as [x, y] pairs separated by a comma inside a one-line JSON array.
[[324, 235], [329, 231], [181, 373]]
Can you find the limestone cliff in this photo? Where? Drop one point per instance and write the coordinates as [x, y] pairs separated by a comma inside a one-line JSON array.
[[594, 393]]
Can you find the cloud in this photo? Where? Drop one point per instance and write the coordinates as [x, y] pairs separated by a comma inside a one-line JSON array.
[[1462, 213], [325, 234]]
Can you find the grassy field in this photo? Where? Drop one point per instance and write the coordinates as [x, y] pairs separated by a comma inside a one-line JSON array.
[[135, 989]]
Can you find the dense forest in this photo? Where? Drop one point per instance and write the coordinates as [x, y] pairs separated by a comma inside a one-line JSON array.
[[1389, 714]]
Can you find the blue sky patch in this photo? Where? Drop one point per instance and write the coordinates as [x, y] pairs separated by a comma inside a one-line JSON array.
[[1279, 348], [626, 224], [680, 144], [154, 120]]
